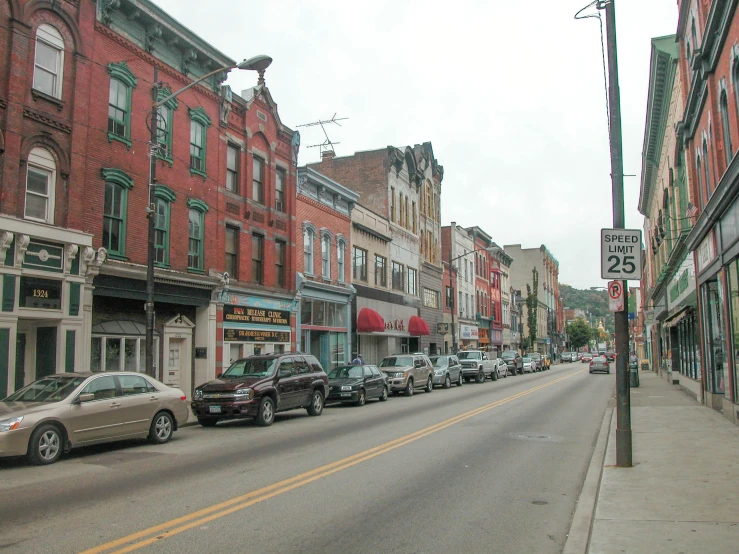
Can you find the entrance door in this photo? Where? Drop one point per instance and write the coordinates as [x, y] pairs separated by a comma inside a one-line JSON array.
[[235, 353], [20, 360], [173, 371], [45, 351]]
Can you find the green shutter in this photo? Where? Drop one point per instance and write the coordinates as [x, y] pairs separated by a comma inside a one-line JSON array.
[[74, 299], [4, 353], [8, 293], [69, 352]]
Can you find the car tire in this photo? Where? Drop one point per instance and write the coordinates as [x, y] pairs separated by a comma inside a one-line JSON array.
[[609, 372], [494, 374], [505, 375], [384, 395], [45, 445], [409, 387], [590, 371], [480, 377], [447, 382], [429, 384], [460, 379], [316, 403], [362, 400], [207, 421], [266, 413], [162, 428]]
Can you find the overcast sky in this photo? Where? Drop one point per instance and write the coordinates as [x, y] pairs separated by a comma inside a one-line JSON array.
[[510, 94]]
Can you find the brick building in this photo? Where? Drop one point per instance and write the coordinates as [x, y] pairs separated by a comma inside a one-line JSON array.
[[457, 247], [75, 127]]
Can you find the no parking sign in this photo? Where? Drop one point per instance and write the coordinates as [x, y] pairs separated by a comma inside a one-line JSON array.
[[615, 296]]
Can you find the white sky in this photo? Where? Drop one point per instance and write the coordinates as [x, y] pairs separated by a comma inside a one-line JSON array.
[[510, 94]]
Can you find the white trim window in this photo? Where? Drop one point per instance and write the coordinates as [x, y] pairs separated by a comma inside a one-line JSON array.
[[117, 353], [326, 257], [40, 184], [308, 240], [340, 257], [48, 66]]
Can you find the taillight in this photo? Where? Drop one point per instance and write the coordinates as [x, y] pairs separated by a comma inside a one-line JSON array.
[[183, 397], [591, 363]]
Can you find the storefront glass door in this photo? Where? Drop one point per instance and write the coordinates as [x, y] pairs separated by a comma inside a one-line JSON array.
[[715, 342]]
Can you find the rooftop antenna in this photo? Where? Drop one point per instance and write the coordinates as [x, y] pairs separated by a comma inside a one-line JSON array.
[[327, 145]]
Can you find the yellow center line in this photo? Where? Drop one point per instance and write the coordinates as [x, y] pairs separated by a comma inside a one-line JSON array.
[[216, 511]]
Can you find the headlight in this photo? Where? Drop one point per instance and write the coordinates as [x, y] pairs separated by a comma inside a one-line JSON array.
[[197, 394], [243, 394], [10, 424], [346, 387], [400, 374], [438, 371]]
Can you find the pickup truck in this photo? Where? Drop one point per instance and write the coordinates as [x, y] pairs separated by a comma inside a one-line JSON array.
[[478, 365]]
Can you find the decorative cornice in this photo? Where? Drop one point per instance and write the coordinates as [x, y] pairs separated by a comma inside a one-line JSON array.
[[165, 193], [46, 120], [197, 204], [121, 71], [200, 115], [117, 176]]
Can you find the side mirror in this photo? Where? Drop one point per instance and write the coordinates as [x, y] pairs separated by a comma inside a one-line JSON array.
[[285, 373], [86, 397], [219, 375]]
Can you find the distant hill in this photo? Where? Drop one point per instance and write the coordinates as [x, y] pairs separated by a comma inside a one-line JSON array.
[[593, 301]]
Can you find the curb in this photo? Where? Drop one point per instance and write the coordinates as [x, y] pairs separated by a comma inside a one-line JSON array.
[[578, 538]]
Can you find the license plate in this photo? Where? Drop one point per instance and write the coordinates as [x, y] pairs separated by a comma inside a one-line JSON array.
[[346, 394], [214, 409]]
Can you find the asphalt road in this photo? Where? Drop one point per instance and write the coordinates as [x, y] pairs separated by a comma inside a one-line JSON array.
[[493, 467]]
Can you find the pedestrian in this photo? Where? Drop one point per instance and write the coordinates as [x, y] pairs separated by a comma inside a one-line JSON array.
[[358, 360]]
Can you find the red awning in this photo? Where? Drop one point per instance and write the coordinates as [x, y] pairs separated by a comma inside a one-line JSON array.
[[369, 321], [417, 326]]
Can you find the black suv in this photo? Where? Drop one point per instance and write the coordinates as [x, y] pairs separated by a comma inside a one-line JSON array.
[[260, 386]]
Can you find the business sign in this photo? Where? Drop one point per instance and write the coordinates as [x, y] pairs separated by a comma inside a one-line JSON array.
[[442, 328], [615, 296], [255, 335], [262, 316], [45, 294], [706, 251], [620, 254], [468, 332]]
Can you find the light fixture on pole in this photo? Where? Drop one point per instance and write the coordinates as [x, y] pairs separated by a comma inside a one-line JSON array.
[[257, 63]]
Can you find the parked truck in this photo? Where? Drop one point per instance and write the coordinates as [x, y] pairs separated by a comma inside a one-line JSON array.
[[478, 365]]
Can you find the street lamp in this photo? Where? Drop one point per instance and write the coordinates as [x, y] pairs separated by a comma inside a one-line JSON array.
[[257, 63]]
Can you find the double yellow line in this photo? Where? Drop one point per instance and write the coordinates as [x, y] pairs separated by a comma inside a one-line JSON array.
[[176, 526]]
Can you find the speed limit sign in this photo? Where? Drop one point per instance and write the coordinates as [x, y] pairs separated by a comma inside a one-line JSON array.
[[620, 254]]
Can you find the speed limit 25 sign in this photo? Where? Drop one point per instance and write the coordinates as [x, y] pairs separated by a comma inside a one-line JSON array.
[[620, 254]]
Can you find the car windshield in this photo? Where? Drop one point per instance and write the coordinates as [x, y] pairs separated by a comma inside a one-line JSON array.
[[469, 356], [534, 356], [348, 372], [599, 359], [439, 361], [508, 354], [49, 389], [397, 361], [251, 367]]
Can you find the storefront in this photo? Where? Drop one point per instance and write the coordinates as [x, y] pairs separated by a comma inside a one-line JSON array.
[[468, 337], [324, 313]]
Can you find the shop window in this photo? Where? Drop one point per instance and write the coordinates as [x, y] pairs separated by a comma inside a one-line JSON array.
[[117, 185], [49, 61], [40, 186], [121, 353], [734, 309], [716, 360]]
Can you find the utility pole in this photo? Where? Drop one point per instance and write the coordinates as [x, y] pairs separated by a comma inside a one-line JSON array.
[[151, 214], [623, 393]]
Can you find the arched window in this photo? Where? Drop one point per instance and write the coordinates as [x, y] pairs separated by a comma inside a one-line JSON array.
[[724, 109], [122, 82], [196, 215], [49, 61], [326, 256], [706, 169], [735, 81], [164, 196], [117, 185], [693, 33], [40, 185], [340, 257], [308, 240], [699, 171]]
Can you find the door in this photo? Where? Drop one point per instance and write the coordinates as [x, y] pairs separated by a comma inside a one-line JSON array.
[[304, 386], [175, 357], [287, 387], [20, 360], [139, 402], [97, 419], [45, 351], [371, 383]]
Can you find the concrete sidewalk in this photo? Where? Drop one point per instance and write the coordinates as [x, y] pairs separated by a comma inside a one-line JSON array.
[[681, 493]]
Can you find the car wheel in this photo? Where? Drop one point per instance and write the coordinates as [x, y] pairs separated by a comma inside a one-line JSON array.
[[409, 388], [429, 384], [362, 400], [505, 375], [460, 379], [266, 414], [609, 371], [480, 377], [494, 374], [447, 382], [316, 403], [207, 421], [162, 427], [45, 446], [590, 371], [383, 396]]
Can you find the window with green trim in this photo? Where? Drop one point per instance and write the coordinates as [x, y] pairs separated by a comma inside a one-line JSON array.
[[164, 125], [196, 214], [122, 82], [117, 185], [199, 123], [161, 232]]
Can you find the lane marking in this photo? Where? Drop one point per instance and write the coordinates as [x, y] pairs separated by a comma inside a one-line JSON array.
[[216, 511]]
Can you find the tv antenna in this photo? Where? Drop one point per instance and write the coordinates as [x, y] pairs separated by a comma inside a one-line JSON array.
[[326, 145]]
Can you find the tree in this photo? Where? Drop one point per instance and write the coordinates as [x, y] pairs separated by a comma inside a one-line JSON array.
[[532, 307], [580, 333]]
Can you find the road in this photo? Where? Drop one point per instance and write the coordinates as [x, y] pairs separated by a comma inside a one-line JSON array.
[[492, 467]]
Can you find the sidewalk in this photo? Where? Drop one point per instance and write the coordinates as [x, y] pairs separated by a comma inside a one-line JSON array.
[[681, 496]]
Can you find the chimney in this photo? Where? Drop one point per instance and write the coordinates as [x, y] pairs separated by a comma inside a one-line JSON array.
[[327, 156]]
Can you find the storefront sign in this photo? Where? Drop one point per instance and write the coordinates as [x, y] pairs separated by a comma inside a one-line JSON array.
[[468, 332], [254, 335], [442, 328], [45, 294], [243, 314], [396, 316], [395, 325], [706, 251], [258, 302]]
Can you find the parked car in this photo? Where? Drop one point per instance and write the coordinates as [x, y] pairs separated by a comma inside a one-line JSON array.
[[407, 372], [63, 411], [514, 361], [610, 356], [600, 363], [477, 365], [529, 365], [447, 370], [537, 359], [501, 368], [586, 357], [568, 357], [260, 386], [357, 384]]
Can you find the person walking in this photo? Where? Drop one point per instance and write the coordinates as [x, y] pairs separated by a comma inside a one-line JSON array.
[[358, 360]]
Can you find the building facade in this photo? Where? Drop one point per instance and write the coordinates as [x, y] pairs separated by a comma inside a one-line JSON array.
[[458, 248]]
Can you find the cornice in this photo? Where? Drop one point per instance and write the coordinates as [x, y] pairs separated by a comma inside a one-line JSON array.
[[46, 120]]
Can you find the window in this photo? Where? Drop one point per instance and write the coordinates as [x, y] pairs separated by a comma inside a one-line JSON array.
[[700, 179], [706, 167], [359, 264], [407, 219], [400, 210], [326, 257], [122, 82], [280, 247], [414, 217], [308, 239], [724, 108], [693, 33], [196, 215], [397, 276], [257, 256], [340, 254], [134, 384], [116, 353], [40, 186], [735, 81], [392, 203], [257, 186], [380, 271], [232, 252], [49, 61], [199, 123], [232, 168], [163, 197], [280, 190], [431, 297], [449, 297], [117, 185], [466, 275], [412, 282], [460, 304]]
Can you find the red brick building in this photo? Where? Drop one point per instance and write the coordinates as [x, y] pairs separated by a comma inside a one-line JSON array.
[[74, 104]]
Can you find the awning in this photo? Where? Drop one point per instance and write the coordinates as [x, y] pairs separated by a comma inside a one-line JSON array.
[[369, 321], [417, 326]]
